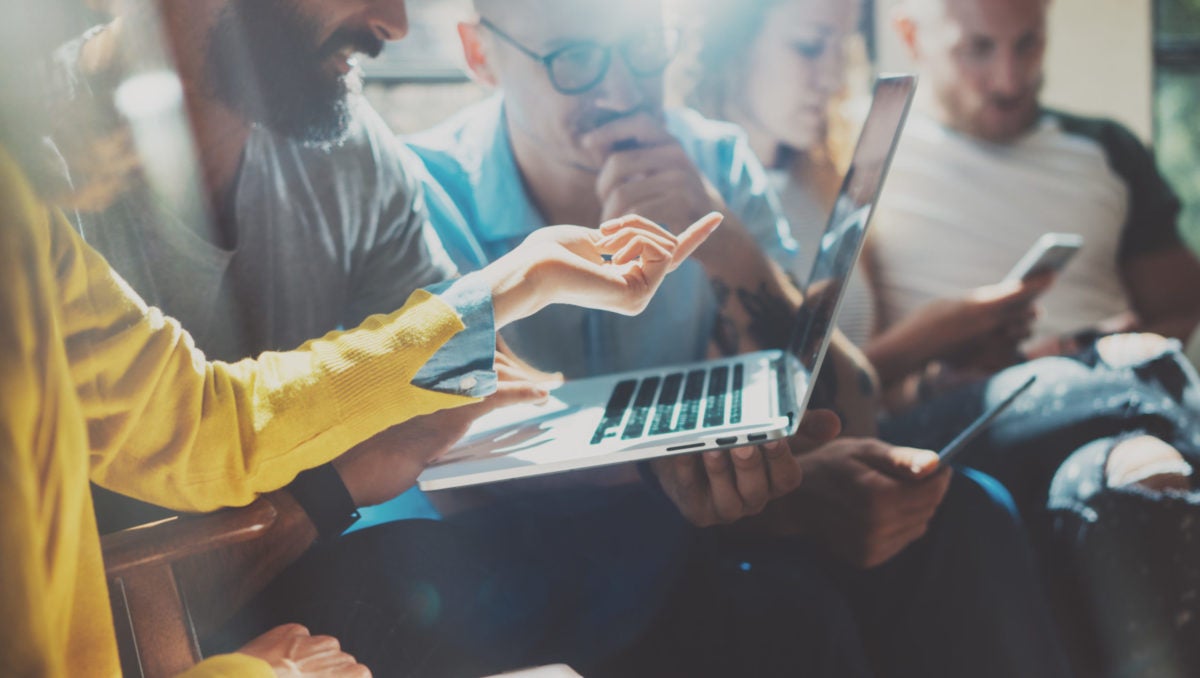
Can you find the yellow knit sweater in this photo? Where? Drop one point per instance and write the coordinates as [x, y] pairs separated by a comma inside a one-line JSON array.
[[95, 385]]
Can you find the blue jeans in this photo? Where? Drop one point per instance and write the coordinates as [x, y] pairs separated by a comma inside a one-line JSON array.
[[965, 600], [1123, 564], [1075, 401]]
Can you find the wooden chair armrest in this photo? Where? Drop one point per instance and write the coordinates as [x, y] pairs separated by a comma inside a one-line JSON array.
[[174, 539], [174, 581]]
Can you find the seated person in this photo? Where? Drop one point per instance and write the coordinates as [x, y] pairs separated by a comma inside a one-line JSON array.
[[321, 223], [804, 139], [99, 385], [585, 134], [735, 74], [984, 91], [1131, 384], [353, 214]]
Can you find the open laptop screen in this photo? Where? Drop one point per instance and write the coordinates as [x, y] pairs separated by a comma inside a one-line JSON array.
[[844, 233]]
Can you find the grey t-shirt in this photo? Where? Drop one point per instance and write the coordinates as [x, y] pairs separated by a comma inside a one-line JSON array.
[[319, 239]]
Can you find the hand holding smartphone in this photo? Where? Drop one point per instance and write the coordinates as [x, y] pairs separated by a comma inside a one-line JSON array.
[[1050, 254]]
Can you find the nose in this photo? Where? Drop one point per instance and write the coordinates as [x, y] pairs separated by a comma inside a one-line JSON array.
[[1007, 74], [389, 20], [830, 71], [620, 90]]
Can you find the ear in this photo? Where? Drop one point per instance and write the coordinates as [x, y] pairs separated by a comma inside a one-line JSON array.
[[475, 53], [906, 29]]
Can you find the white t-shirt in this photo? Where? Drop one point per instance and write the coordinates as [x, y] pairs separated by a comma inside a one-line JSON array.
[[958, 213]]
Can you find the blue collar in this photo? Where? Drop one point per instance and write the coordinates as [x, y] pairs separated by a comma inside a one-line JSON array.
[[485, 153]]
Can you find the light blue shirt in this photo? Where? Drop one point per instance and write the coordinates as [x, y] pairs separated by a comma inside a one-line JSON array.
[[478, 205], [463, 365]]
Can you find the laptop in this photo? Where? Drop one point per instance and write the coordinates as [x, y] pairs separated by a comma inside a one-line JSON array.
[[715, 404]]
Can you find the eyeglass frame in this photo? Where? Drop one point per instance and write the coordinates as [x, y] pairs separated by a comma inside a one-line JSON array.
[[547, 60]]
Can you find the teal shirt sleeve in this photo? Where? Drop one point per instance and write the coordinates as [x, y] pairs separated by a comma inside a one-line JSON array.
[[464, 364]]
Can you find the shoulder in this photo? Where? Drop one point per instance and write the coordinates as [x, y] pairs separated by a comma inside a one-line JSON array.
[[721, 153], [1100, 129], [704, 139], [1123, 150], [458, 144]]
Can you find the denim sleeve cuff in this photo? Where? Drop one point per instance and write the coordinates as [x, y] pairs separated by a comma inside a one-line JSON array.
[[464, 364]]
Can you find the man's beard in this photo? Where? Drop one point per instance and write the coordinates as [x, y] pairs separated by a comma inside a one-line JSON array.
[[264, 62]]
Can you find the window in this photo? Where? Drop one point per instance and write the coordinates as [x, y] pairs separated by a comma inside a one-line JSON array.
[[421, 80], [1177, 104]]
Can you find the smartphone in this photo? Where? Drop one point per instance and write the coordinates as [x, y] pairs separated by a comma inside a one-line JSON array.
[[960, 443], [1050, 254]]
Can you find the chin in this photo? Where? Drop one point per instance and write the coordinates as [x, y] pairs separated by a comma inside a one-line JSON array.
[[802, 143], [1006, 130]]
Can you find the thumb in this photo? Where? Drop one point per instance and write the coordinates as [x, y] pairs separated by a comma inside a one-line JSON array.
[[817, 427], [694, 237], [1008, 294], [508, 393], [904, 463], [999, 294]]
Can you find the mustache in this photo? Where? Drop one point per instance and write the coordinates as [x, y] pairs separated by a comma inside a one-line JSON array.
[[359, 40], [594, 118]]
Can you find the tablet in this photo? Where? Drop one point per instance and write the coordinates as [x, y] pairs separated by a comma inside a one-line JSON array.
[[960, 443]]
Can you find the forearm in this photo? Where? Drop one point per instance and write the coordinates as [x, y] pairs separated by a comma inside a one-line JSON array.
[[756, 301], [895, 354], [854, 393], [169, 427]]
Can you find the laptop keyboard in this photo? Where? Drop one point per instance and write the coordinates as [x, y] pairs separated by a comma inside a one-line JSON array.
[[679, 401]]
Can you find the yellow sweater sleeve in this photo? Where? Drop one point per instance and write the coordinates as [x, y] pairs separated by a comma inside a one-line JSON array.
[[230, 666], [169, 427], [92, 382]]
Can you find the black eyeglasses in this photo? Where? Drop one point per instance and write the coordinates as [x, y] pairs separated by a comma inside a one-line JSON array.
[[580, 66]]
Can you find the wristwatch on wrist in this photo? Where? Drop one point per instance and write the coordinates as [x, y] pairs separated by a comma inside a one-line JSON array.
[[324, 497]]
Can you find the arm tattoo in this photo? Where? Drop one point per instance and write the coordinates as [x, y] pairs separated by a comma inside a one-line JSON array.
[[770, 317], [725, 332], [792, 279]]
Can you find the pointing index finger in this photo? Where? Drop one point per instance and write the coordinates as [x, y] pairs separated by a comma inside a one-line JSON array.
[[695, 235]]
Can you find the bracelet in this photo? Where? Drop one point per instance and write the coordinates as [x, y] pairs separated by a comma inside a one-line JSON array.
[[324, 497]]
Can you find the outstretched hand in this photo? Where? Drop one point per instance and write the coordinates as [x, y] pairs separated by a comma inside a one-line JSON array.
[[617, 267], [386, 465], [292, 652]]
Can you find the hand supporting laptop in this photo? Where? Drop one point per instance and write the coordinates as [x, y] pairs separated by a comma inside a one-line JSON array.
[[726, 486]]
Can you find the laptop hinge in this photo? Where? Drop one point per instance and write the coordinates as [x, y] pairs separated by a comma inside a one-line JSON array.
[[786, 387]]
